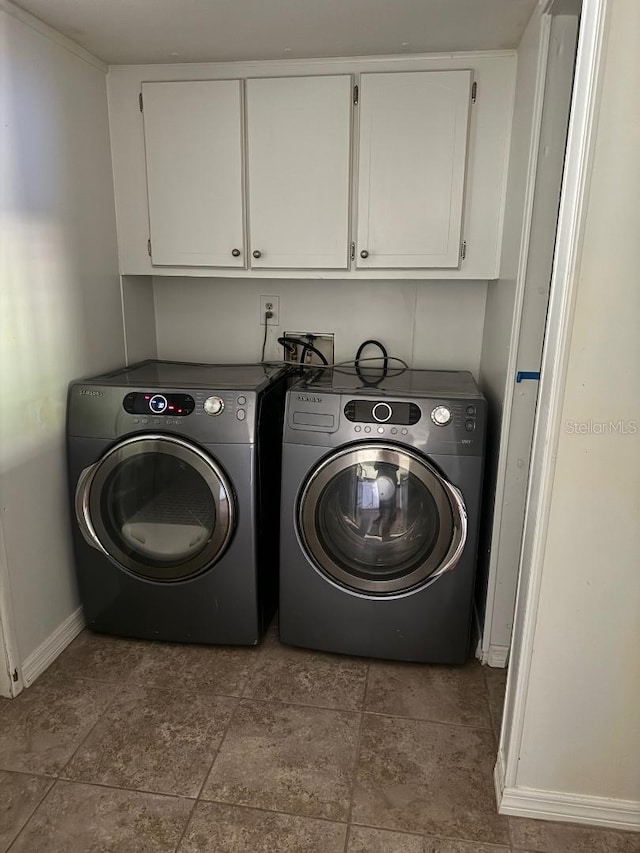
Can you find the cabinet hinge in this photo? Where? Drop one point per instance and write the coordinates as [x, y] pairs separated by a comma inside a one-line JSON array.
[[140, 101], [14, 675], [474, 93], [355, 94], [149, 246], [353, 252], [463, 250]]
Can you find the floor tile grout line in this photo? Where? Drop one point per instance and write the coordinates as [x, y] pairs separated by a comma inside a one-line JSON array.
[[236, 699], [218, 750], [124, 789], [341, 710], [267, 811], [60, 771], [497, 844], [34, 810], [111, 702], [357, 761], [430, 721], [37, 775], [186, 823]]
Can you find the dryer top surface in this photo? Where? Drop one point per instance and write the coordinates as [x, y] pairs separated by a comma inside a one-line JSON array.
[[179, 374], [395, 381]]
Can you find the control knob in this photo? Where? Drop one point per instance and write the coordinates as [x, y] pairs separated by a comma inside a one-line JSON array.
[[441, 415], [214, 405]]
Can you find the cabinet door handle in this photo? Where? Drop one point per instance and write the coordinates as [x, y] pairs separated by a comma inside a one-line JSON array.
[[256, 253], [235, 253], [364, 254]]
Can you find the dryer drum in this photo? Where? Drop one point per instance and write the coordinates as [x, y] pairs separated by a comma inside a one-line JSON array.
[[381, 519], [158, 506]]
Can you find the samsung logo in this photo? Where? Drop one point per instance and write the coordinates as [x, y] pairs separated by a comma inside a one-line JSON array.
[[88, 392], [306, 398]]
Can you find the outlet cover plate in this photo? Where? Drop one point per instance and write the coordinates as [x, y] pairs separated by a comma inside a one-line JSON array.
[[270, 303]]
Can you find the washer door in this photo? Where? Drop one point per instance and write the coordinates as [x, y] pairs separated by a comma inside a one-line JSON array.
[[380, 519], [158, 506]]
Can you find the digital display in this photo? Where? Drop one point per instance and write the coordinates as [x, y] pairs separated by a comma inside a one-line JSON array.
[[152, 402], [382, 412]]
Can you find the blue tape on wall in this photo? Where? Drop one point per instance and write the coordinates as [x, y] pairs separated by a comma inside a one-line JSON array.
[[527, 374]]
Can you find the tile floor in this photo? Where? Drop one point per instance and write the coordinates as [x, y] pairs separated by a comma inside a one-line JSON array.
[[151, 748]]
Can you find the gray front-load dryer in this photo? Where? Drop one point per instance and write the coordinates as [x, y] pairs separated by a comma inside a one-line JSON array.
[[174, 481], [382, 475]]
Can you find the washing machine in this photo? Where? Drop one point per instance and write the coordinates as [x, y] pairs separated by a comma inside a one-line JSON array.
[[174, 473], [381, 488]]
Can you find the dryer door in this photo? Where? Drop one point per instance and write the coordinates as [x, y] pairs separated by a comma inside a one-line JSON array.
[[158, 506], [380, 519]]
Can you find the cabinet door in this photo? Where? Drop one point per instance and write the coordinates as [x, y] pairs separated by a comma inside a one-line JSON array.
[[298, 134], [193, 141], [413, 139]]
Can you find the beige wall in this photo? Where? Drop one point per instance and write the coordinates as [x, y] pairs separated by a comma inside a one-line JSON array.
[[582, 720], [435, 324], [60, 309]]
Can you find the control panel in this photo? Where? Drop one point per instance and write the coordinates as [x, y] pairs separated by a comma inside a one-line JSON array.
[[449, 425], [170, 404]]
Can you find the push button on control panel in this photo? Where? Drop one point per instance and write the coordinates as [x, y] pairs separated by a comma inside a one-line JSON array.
[[242, 400], [469, 425], [241, 414]]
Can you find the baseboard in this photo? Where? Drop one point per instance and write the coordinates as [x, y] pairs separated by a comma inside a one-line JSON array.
[[54, 645], [498, 777], [497, 656], [476, 633], [575, 808]]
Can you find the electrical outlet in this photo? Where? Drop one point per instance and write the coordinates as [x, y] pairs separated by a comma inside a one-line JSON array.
[[322, 341], [270, 303]]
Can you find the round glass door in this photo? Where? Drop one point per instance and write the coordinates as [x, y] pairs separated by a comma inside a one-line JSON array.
[[380, 519], [157, 505]]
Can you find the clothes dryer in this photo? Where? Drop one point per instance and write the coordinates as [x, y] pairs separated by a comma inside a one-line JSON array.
[[174, 472], [381, 488]]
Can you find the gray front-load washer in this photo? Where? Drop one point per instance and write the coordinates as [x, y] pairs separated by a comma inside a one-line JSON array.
[[174, 472], [381, 485]]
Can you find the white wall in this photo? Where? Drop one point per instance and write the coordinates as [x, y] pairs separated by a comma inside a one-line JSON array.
[[60, 309], [582, 723], [429, 324], [504, 295]]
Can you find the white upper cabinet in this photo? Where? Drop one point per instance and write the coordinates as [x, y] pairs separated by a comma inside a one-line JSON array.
[[298, 156], [273, 158], [412, 155], [193, 142]]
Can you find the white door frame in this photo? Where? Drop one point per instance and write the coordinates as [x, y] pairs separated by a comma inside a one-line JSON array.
[[10, 670], [564, 283]]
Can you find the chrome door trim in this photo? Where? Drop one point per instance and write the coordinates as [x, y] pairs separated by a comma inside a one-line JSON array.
[[448, 499], [82, 508], [459, 538], [93, 479]]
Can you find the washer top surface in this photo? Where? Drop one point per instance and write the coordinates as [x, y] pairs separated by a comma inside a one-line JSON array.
[[395, 382], [179, 374]]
